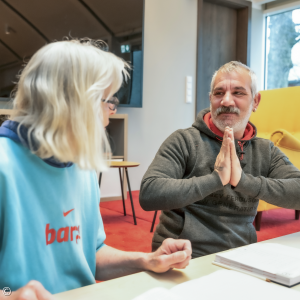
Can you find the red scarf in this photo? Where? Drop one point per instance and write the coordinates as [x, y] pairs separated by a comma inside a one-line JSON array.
[[248, 133]]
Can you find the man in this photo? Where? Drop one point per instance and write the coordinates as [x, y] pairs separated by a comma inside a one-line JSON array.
[[208, 179]]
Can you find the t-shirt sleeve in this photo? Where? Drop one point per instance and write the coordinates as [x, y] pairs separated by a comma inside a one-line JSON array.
[[101, 236]]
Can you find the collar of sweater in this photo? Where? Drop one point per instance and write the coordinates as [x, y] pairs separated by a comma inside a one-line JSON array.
[[204, 124], [248, 133]]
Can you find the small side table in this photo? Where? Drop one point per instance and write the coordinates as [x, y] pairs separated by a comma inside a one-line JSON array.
[[125, 165]]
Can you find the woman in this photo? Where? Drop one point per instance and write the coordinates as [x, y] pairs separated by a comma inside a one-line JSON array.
[[51, 230]]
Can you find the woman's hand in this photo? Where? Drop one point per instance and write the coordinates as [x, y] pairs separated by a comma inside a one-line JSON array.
[[171, 254], [34, 290]]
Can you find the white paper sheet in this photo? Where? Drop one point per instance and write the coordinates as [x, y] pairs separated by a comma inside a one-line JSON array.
[[224, 285]]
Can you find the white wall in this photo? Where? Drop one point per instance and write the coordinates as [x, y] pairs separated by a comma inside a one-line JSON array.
[[170, 44], [257, 46]]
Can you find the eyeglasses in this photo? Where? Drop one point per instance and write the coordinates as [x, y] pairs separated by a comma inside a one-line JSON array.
[[113, 103]]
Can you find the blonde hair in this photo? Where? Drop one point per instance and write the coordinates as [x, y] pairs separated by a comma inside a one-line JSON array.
[[235, 66], [59, 99]]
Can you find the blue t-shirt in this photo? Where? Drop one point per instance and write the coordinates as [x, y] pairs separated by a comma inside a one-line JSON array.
[[50, 223]]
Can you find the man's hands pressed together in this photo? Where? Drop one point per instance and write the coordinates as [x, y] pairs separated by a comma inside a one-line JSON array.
[[236, 169], [227, 163], [223, 161]]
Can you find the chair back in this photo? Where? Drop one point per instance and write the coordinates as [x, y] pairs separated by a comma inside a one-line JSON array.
[[278, 109]]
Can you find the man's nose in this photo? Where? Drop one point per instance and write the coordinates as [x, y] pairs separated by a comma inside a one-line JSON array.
[[227, 99]]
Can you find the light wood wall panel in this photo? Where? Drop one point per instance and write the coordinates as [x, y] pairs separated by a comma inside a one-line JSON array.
[[219, 43], [223, 36]]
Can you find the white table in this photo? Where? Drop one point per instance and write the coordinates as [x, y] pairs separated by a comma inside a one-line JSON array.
[[130, 286]]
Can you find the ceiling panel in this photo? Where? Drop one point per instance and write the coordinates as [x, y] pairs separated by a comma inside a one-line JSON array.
[[119, 15], [59, 18], [23, 39], [36, 22], [6, 56]]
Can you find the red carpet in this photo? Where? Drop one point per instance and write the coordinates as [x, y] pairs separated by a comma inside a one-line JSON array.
[[277, 222], [121, 233], [124, 235]]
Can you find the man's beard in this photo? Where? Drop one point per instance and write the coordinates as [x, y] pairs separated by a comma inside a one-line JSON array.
[[222, 124]]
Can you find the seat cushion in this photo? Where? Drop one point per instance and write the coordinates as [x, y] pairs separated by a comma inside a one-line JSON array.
[[262, 206]]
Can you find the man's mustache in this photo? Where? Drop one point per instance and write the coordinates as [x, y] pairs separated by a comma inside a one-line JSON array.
[[227, 110]]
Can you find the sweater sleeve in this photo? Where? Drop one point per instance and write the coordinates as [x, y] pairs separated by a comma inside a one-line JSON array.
[[280, 188], [164, 187]]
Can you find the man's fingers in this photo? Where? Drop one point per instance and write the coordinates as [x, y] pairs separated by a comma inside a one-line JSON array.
[[225, 136], [224, 148], [232, 151], [231, 143], [224, 142], [227, 147], [223, 160], [232, 135]]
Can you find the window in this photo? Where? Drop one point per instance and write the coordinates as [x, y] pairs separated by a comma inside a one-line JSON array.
[[282, 55]]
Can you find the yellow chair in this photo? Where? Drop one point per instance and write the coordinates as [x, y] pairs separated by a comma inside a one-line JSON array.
[[277, 119]]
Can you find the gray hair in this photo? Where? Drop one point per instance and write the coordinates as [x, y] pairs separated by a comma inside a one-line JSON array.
[[234, 66]]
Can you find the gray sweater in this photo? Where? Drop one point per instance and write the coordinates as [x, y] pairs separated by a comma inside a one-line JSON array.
[[181, 182]]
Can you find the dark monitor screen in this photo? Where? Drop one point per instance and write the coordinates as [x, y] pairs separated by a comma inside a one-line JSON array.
[[29, 27], [130, 94]]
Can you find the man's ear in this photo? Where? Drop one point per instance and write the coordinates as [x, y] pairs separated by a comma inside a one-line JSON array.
[[256, 101]]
